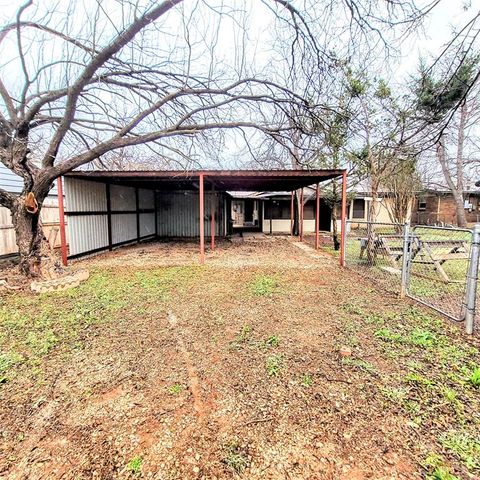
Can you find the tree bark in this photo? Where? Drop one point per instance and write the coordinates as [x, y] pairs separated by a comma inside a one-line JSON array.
[[36, 257], [457, 194]]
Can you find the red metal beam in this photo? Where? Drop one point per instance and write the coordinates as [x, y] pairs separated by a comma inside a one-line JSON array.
[[202, 220], [344, 218], [301, 215], [212, 218], [317, 218], [291, 213], [61, 209]]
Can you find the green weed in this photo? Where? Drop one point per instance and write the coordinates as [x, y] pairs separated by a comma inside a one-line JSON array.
[[359, 364], [244, 334], [135, 465], [264, 285], [274, 364], [386, 335], [437, 469], [306, 380], [175, 389], [417, 379], [272, 341], [234, 458], [463, 446], [394, 394], [474, 378], [423, 338]]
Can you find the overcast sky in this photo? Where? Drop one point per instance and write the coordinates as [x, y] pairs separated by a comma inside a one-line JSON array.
[[437, 31]]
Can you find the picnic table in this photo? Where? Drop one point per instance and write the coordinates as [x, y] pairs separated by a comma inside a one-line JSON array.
[[422, 250]]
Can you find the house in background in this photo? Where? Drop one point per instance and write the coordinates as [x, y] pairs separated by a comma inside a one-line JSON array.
[[50, 215], [270, 212], [437, 207]]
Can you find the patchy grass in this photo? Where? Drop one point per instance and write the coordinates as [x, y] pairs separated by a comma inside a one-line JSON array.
[[412, 380], [264, 285], [437, 380], [33, 325], [464, 446]]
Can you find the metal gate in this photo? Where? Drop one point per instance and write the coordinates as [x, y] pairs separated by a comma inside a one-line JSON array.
[[436, 268]]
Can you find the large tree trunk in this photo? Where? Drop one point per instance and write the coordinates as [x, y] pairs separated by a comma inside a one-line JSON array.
[[36, 257], [334, 216], [456, 192]]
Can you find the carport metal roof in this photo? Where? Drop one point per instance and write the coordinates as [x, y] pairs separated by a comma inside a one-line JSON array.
[[223, 180]]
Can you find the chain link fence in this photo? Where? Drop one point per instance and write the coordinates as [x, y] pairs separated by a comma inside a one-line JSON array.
[[376, 250], [436, 266]]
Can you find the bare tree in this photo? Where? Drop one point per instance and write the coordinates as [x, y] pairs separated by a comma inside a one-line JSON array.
[[401, 183], [456, 144], [111, 86]]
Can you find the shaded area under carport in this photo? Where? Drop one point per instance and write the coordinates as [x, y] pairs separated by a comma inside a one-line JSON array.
[[221, 181]]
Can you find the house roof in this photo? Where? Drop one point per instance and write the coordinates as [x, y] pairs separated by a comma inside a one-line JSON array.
[[222, 180]]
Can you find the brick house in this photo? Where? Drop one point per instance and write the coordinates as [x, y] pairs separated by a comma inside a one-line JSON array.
[[438, 207]]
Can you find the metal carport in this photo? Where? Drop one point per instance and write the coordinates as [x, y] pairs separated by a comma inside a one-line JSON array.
[[107, 209]]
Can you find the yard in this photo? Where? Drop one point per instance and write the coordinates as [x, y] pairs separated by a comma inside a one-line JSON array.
[[157, 367]]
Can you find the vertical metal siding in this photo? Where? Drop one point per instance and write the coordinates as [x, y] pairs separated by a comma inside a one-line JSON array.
[[146, 198], [124, 227], [147, 224], [122, 198], [87, 232], [178, 214], [84, 196]]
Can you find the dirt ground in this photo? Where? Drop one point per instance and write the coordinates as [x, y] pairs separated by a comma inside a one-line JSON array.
[[160, 368]]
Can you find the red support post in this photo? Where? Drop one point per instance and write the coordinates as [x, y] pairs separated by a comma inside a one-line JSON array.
[[202, 220], [292, 213], [317, 219], [61, 209], [212, 219], [344, 218], [301, 216]]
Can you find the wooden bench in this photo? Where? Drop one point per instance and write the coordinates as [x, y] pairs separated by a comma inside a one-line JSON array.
[[437, 252]]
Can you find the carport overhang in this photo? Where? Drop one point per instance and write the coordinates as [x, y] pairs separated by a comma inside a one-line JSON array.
[[220, 181], [224, 180]]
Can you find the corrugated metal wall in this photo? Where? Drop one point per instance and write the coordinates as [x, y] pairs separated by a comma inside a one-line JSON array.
[[178, 214], [89, 231], [92, 226]]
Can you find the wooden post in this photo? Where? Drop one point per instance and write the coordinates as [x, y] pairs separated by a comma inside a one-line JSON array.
[[202, 220], [317, 219], [61, 209]]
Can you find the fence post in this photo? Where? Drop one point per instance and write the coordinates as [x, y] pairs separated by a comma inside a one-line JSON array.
[[472, 280], [405, 259]]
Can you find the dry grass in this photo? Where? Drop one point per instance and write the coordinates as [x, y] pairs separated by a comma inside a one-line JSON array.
[[160, 368]]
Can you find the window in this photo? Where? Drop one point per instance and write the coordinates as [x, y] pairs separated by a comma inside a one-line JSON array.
[[277, 210], [422, 203], [358, 208]]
